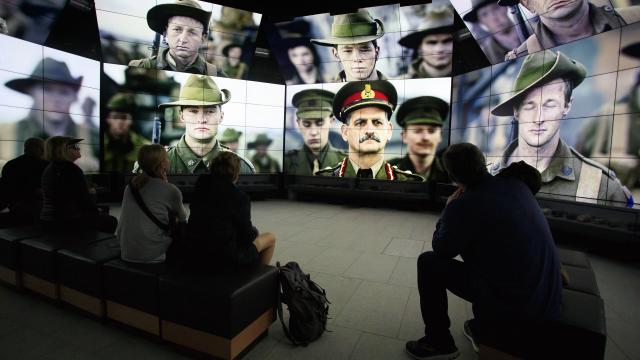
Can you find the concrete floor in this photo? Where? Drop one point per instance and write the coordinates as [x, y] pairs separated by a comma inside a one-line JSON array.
[[366, 260]]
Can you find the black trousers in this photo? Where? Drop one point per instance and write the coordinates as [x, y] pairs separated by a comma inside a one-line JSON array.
[[435, 276]]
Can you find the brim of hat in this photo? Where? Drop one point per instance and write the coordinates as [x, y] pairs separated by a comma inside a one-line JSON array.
[[506, 107], [228, 140], [187, 102], [424, 121], [472, 16], [415, 38], [313, 114], [380, 104], [253, 144], [346, 40], [158, 15], [632, 50], [508, 2], [23, 85], [74, 141]]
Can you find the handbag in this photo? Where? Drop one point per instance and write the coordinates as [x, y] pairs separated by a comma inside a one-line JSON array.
[[175, 229]]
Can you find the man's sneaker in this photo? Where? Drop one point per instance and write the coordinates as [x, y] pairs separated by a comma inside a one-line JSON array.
[[471, 334], [421, 350]]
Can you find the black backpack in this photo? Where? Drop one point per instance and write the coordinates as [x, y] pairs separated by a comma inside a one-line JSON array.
[[307, 304]]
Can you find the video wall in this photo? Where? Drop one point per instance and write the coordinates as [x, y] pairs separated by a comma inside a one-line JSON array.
[[571, 111], [368, 94]]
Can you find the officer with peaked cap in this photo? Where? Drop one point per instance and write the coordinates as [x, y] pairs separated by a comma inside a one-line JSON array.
[[230, 138], [121, 144], [354, 44], [49, 118], [365, 108], [314, 117], [432, 44], [494, 19], [200, 108], [184, 25], [421, 120], [541, 98], [262, 161]]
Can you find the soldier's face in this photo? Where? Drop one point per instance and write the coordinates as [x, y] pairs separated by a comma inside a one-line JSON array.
[[55, 99], [119, 123], [234, 55], [358, 60], [201, 122], [422, 139], [494, 17], [315, 132], [368, 130], [553, 9], [301, 57], [184, 36], [437, 50], [540, 113]]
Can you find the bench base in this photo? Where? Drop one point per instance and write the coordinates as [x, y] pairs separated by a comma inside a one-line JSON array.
[[133, 317], [82, 301], [9, 276], [40, 286], [215, 345]]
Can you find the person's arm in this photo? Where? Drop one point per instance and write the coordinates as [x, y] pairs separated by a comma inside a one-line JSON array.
[[77, 184], [449, 237], [246, 231], [176, 205]]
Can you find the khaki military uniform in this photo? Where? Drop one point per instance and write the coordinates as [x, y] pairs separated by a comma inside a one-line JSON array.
[[184, 161], [620, 145], [342, 77], [572, 176], [386, 172], [603, 18], [235, 72], [31, 126], [436, 173], [301, 162], [265, 164], [160, 62], [121, 155], [417, 71]]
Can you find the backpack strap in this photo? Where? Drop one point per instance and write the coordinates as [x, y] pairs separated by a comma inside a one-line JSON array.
[[145, 209], [285, 329]]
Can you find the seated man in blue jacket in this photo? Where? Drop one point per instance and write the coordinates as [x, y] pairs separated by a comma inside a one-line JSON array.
[[510, 272]]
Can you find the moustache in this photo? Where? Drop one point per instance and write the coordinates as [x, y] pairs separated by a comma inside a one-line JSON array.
[[371, 136]]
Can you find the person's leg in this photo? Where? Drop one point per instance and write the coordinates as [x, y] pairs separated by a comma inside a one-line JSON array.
[[266, 245], [106, 223]]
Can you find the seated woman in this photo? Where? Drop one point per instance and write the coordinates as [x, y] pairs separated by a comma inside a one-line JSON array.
[[220, 229], [141, 239], [67, 202]]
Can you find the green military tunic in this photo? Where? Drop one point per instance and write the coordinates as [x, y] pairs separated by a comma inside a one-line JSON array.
[[386, 172], [417, 71], [121, 155], [184, 161], [300, 162], [160, 62], [235, 72], [572, 176], [436, 172], [265, 164], [342, 76], [603, 18]]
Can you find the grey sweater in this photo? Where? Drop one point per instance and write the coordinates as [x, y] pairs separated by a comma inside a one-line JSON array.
[[141, 240]]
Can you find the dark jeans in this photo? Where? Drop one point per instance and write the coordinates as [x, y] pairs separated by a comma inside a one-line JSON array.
[[435, 276]]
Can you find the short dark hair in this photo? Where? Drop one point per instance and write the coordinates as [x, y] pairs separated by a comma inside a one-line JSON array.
[[465, 163], [225, 165], [34, 147]]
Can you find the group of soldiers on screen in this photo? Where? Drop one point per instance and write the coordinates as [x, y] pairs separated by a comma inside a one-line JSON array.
[[354, 43]]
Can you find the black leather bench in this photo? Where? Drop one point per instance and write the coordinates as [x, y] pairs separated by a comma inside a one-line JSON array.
[[580, 333], [80, 274], [9, 252], [131, 294], [38, 259], [221, 314]]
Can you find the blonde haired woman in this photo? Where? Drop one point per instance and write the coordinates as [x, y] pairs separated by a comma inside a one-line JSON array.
[[67, 204], [141, 239]]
